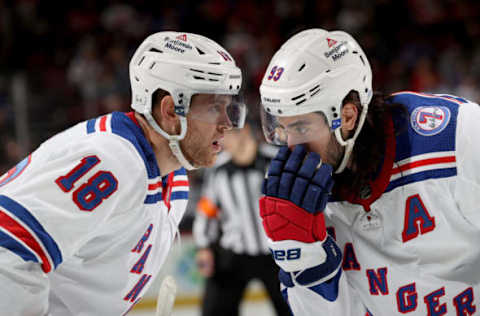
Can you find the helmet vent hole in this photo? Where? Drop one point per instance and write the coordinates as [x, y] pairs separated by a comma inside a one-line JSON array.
[[335, 115], [327, 71], [196, 70], [301, 67], [153, 49], [361, 58], [315, 90], [198, 78], [298, 97], [152, 65], [211, 79], [214, 74], [231, 87], [214, 63], [354, 52], [279, 111], [141, 60], [366, 90], [300, 102], [201, 52], [138, 80], [364, 78]]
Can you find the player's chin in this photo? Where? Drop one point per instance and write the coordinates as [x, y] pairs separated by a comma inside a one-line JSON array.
[[210, 162], [207, 161]]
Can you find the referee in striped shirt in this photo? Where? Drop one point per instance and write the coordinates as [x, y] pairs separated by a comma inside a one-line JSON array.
[[228, 232]]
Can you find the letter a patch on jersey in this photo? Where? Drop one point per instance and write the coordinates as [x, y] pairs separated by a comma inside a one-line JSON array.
[[417, 219], [350, 261]]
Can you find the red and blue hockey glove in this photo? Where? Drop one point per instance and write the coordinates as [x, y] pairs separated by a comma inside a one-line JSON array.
[[296, 191]]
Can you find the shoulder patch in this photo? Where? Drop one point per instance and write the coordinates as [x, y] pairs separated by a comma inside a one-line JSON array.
[[430, 120]]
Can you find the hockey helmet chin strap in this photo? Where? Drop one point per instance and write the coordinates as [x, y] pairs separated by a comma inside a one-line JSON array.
[[348, 144], [173, 140]]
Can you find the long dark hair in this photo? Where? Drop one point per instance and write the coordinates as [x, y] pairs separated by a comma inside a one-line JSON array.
[[369, 150]]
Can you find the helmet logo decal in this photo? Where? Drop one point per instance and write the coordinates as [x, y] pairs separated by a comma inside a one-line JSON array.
[[180, 110], [275, 73], [336, 123], [224, 55], [331, 42], [140, 99], [338, 51], [182, 37], [430, 120], [271, 100], [177, 44]]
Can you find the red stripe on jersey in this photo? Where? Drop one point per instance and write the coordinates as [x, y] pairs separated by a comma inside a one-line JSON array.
[[424, 162], [155, 186], [168, 194], [103, 122], [180, 183], [24, 235]]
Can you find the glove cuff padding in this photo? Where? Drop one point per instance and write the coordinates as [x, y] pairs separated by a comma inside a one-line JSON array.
[[284, 220], [292, 255], [309, 273]]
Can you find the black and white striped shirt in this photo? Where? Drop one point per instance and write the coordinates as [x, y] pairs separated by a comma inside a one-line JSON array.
[[228, 211]]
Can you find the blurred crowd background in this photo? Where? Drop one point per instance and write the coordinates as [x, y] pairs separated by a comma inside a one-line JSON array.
[[64, 61]]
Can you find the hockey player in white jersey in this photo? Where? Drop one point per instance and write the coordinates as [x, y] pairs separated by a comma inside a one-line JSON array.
[[87, 219], [372, 206]]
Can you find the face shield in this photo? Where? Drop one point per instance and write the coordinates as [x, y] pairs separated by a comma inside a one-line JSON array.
[[218, 109], [294, 130]]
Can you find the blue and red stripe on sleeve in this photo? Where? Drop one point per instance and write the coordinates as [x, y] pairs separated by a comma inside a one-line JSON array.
[[21, 233]]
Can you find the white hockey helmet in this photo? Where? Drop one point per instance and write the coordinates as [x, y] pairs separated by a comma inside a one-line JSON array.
[[183, 64], [314, 71]]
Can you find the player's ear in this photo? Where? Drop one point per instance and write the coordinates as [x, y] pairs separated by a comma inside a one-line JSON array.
[[349, 118], [164, 113]]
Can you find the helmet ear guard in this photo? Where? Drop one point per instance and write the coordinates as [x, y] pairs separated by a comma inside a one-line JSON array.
[[314, 71], [183, 64]]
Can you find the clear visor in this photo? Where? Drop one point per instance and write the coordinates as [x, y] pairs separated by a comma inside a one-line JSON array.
[[219, 109], [294, 130]]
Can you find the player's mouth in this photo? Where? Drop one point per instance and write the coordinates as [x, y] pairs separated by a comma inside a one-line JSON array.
[[217, 145]]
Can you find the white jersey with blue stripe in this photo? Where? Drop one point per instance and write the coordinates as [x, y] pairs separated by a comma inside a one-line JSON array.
[[86, 221], [411, 246]]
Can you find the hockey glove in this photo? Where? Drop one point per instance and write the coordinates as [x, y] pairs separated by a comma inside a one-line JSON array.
[[296, 193]]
